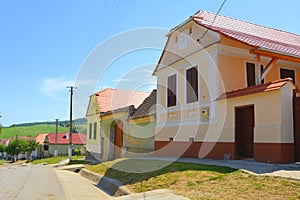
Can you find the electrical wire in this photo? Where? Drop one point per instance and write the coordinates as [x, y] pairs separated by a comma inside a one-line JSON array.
[[219, 10]]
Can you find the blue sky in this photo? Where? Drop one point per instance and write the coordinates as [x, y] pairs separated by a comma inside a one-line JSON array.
[[43, 44]]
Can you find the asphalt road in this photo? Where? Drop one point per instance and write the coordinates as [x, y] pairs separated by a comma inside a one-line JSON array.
[[41, 182]]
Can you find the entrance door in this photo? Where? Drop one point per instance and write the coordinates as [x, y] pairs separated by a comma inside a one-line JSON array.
[[297, 127], [244, 124], [118, 140]]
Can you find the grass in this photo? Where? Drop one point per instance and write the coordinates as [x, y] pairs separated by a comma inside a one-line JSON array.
[[197, 181], [30, 130], [1, 162], [55, 160]]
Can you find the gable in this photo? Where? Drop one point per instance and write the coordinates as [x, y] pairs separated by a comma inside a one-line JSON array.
[[183, 42], [92, 106]]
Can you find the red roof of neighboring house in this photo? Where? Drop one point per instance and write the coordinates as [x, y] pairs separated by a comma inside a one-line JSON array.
[[274, 85], [4, 141], [111, 99], [251, 34], [41, 138], [77, 138]]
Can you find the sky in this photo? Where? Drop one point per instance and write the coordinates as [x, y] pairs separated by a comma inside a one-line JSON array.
[[46, 45]]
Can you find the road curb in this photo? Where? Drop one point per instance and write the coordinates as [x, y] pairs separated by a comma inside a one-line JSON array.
[[112, 186]]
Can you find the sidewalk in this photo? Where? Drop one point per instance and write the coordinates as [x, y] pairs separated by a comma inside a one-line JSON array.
[[77, 187], [290, 171]]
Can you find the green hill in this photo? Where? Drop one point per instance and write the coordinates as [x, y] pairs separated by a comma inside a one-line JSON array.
[[35, 128]]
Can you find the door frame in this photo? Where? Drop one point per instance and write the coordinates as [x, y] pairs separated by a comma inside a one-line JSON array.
[[236, 131], [119, 125], [112, 139], [296, 106]]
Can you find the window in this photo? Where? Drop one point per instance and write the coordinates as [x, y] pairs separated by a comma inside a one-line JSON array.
[[192, 85], [251, 74], [95, 130], [287, 73], [190, 30], [46, 147], [176, 39], [191, 139], [90, 131], [171, 101], [171, 139]]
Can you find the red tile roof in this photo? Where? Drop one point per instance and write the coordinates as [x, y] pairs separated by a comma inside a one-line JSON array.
[[4, 141], [41, 138], [111, 99], [251, 34], [274, 85], [77, 138]]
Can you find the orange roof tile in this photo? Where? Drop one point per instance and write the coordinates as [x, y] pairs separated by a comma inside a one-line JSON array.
[[251, 34], [41, 138], [274, 85], [111, 99]]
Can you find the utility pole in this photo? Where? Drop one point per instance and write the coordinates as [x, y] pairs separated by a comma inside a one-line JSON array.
[[56, 138], [16, 148], [70, 132]]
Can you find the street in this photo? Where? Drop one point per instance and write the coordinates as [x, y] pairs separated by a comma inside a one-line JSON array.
[[39, 182]]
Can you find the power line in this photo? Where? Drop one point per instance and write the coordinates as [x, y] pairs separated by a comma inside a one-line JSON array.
[[219, 10]]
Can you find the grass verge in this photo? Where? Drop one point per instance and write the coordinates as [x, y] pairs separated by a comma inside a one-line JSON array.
[[55, 160], [197, 181]]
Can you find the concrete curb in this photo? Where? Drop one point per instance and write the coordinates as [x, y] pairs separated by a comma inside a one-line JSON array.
[[112, 186]]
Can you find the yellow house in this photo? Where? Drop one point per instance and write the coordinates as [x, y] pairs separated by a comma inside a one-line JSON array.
[[111, 132], [227, 89]]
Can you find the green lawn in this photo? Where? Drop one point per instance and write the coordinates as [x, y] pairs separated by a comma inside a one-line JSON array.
[[197, 181], [56, 160], [30, 130]]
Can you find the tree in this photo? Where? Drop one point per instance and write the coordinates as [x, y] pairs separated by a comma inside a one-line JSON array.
[[0, 126], [2, 150], [31, 146], [15, 147]]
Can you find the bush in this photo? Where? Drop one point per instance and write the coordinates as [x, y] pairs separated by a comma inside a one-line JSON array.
[[77, 152]]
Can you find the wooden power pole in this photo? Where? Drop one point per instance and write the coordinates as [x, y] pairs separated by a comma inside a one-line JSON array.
[[70, 131]]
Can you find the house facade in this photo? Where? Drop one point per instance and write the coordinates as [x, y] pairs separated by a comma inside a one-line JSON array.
[[61, 144], [111, 132], [228, 89]]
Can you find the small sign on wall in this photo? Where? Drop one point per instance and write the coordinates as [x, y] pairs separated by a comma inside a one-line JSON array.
[[204, 114]]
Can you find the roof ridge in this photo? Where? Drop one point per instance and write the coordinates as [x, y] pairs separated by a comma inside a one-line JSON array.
[[121, 90], [264, 26], [262, 38]]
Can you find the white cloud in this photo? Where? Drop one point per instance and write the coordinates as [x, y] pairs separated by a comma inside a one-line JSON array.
[[122, 80], [148, 71], [55, 87]]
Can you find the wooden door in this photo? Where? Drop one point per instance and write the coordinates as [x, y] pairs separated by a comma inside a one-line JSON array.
[[244, 125], [297, 127], [118, 140]]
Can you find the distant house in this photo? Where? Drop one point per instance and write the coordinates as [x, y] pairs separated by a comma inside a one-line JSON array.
[[111, 133], [4, 142], [228, 89], [22, 155], [39, 152], [50, 145]]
